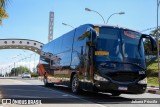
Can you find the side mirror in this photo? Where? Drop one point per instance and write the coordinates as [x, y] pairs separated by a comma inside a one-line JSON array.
[[86, 34], [153, 41], [91, 35]]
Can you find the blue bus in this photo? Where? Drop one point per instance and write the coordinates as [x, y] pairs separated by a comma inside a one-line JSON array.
[[96, 58]]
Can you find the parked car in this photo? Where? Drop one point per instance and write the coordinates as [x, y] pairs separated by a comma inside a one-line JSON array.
[[26, 75]]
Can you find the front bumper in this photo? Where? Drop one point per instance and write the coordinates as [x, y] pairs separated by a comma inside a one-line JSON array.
[[130, 88]]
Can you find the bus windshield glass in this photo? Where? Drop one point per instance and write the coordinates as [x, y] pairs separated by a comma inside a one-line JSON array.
[[108, 42], [115, 44], [131, 47]]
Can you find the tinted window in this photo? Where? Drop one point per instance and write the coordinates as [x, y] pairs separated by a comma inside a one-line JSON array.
[[57, 43], [78, 44], [67, 41], [109, 41], [65, 58], [130, 48], [79, 32]]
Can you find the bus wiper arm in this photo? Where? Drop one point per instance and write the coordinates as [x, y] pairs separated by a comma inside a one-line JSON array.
[[134, 64], [126, 63]]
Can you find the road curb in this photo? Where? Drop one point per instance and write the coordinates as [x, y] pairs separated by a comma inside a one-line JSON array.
[[153, 90]]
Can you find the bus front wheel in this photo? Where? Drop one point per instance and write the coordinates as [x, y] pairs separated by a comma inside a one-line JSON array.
[[75, 84]]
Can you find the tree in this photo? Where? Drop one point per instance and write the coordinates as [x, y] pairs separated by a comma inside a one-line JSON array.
[[154, 32], [147, 47], [34, 70], [19, 70], [3, 3], [3, 13], [6, 74]]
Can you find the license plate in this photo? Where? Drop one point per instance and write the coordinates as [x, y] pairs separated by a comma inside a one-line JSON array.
[[123, 88]]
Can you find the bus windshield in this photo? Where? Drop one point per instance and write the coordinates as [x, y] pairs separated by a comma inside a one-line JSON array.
[[131, 47], [108, 41], [119, 44]]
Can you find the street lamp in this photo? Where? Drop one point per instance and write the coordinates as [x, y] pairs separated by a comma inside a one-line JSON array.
[[25, 58], [120, 13], [14, 65], [34, 60], [67, 25], [158, 3], [87, 9], [1, 71]]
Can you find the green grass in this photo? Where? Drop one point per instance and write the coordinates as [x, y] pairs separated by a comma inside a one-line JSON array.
[[152, 81], [153, 68]]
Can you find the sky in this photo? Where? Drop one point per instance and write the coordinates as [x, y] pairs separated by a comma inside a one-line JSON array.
[[29, 19]]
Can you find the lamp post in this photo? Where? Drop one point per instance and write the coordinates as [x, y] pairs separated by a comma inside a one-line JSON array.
[[120, 13], [34, 60], [1, 71], [9, 73], [20, 63], [87, 9], [158, 3], [67, 25], [20, 55], [14, 65]]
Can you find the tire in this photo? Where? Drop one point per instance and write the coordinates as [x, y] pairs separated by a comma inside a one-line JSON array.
[[46, 84], [75, 84], [116, 94]]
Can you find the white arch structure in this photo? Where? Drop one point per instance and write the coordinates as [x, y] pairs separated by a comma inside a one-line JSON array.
[[27, 44]]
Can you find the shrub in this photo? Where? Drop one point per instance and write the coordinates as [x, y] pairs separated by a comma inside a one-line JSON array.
[[152, 73]]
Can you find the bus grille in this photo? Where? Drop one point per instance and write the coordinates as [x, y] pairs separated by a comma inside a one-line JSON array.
[[124, 76]]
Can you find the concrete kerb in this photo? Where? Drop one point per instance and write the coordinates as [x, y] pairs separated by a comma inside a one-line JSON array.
[[153, 90]]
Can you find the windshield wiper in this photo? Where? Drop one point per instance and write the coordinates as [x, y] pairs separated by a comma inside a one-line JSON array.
[[127, 63], [134, 64]]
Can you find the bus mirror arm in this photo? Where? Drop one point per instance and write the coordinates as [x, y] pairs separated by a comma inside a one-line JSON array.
[[152, 40], [90, 43], [93, 38]]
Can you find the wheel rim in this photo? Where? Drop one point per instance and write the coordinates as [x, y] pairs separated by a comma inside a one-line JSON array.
[[74, 84]]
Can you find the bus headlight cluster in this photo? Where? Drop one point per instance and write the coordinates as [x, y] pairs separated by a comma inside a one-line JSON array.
[[144, 81], [99, 78]]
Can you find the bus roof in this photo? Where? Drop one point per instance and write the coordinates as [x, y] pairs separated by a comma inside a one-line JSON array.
[[112, 26]]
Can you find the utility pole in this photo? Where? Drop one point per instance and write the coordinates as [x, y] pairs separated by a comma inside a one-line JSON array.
[[14, 70], [158, 3]]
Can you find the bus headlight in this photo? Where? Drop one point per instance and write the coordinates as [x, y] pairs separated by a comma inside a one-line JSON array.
[[99, 78], [144, 81]]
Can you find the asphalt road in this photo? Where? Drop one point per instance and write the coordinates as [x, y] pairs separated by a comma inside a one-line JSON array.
[[30, 89]]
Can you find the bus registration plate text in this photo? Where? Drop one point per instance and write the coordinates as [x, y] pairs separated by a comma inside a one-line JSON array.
[[123, 88]]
